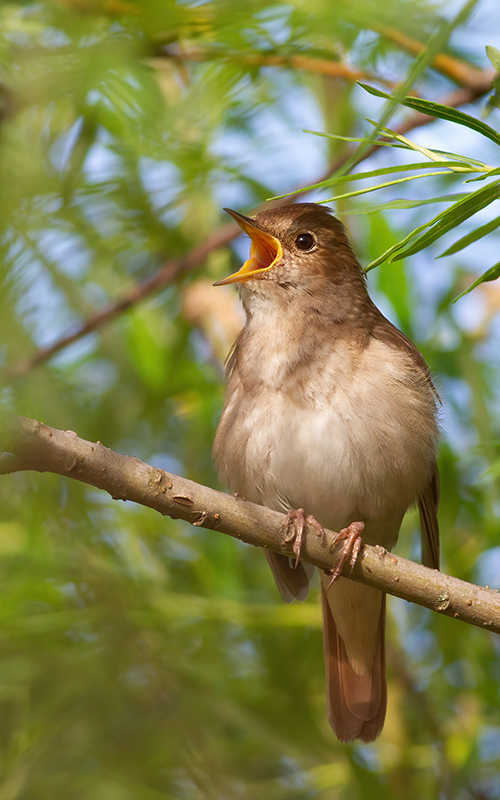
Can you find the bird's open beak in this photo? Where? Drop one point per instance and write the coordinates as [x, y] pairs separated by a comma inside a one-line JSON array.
[[265, 251]]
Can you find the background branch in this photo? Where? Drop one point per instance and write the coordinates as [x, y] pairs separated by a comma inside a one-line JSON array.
[[322, 66], [455, 69], [44, 449]]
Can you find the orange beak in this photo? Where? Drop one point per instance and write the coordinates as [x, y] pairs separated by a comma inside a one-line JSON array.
[[265, 251]]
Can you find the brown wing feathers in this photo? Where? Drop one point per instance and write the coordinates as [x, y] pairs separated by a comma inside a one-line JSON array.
[[428, 505]]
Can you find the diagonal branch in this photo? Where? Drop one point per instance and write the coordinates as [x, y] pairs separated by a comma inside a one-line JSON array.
[[165, 276], [30, 445], [307, 63], [175, 267], [455, 69]]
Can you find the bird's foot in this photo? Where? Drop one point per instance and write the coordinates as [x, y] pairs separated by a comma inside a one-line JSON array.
[[353, 541], [295, 526]]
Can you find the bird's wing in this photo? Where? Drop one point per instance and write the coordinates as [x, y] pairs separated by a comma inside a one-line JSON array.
[[385, 331], [429, 499], [428, 505]]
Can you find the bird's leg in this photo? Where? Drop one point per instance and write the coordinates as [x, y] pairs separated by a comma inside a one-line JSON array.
[[295, 527], [353, 541]]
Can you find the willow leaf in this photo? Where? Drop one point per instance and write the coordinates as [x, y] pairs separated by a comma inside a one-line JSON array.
[[491, 274], [401, 203], [452, 217], [471, 237], [494, 56], [382, 186], [441, 111], [385, 255], [375, 173], [488, 174]]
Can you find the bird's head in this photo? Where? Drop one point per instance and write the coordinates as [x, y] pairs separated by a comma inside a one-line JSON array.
[[292, 244]]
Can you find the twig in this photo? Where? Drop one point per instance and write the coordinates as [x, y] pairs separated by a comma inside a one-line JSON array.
[[456, 70], [175, 267], [45, 449], [165, 276], [323, 66]]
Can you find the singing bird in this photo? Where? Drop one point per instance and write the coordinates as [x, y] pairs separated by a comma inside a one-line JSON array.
[[329, 411]]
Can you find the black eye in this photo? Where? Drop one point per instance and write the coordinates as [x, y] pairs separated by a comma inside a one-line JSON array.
[[305, 241]]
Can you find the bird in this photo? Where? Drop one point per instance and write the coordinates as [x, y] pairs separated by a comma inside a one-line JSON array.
[[330, 416]]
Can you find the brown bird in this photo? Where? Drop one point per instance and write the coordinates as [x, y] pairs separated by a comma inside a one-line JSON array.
[[329, 409]]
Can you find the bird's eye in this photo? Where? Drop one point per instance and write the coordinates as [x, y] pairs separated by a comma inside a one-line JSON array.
[[305, 241]]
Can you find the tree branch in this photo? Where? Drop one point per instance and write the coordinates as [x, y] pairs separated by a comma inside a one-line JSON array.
[[166, 275], [30, 445], [455, 69], [307, 63]]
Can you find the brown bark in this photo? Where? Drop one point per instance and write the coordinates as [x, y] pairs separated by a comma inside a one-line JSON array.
[[30, 445]]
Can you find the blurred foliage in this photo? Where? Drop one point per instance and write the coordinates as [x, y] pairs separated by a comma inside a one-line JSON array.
[[142, 658], [494, 99]]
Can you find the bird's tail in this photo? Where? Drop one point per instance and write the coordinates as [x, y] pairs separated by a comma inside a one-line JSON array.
[[354, 647]]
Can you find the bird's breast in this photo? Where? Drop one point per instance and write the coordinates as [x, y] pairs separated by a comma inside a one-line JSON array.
[[347, 436]]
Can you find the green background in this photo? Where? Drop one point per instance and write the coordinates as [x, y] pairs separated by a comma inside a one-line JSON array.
[[141, 658]]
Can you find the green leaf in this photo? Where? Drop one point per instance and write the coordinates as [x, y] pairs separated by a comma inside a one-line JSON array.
[[357, 176], [458, 157], [361, 176], [446, 220], [494, 56], [436, 42], [382, 186], [489, 174], [452, 217], [441, 112], [494, 470], [401, 203], [396, 247], [392, 279], [378, 143], [402, 143], [465, 241], [490, 275], [406, 142], [454, 162]]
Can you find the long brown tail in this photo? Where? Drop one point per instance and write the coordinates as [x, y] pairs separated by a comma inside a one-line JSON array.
[[355, 664]]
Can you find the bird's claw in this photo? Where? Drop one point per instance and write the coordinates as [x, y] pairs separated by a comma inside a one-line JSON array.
[[295, 526], [353, 541]]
